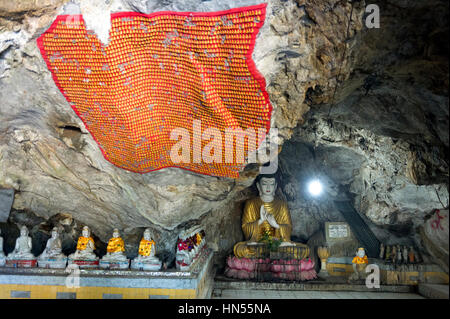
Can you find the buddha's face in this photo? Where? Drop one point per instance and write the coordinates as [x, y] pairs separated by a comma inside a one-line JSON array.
[[361, 253], [147, 235], [85, 232], [54, 234], [267, 186], [23, 232], [116, 234]]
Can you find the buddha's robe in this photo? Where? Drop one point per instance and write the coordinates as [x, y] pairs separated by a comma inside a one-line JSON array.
[[83, 243], [360, 264], [358, 260], [145, 247], [115, 245], [254, 232]]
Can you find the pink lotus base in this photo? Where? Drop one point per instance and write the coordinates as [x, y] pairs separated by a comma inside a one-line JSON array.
[[291, 269]]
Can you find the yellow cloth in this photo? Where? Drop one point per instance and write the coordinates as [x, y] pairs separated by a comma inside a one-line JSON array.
[[254, 232], [115, 245], [277, 208], [359, 260], [83, 241], [198, 238], [145, 247]]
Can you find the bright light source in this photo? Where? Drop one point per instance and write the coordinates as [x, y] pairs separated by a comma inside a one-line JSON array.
[[315, 188]]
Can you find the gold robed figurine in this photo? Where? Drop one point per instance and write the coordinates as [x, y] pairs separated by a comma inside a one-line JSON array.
[[267, 215], [115, 245], [83, 242], [145, 247]]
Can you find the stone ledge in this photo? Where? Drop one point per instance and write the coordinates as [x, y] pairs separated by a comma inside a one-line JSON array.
[[224, 283], [101, 284], [434, 291]]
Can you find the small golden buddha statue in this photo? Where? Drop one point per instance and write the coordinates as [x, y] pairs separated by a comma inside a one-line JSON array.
[[146, 259], [115, 249], [360, 262], [146, 246], [267, 216], [85, 246]]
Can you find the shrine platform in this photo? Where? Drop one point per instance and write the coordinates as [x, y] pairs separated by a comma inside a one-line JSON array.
[[332, 284], [39, 283], [392, 274]]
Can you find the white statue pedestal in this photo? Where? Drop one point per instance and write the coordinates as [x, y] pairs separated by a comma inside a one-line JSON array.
[[115, 264], [21, 263], [151, 265], [85, 263], [52, 263]]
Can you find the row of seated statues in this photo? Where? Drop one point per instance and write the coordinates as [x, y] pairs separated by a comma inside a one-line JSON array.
[[85, 257], [265, 220], [189, 245]]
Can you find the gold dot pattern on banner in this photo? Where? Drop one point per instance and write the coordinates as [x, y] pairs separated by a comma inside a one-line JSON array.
[[160, 72]]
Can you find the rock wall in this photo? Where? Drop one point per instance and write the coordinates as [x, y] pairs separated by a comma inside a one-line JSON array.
[[366, 110]]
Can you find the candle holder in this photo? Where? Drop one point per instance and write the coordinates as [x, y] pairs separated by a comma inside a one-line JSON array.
[[324, 253]]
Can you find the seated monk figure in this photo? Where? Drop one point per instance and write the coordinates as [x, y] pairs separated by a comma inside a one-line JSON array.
[[360, 263], [267, 215], [53, 247], [22, 250], [115, 249], [147, 248], [146, 259], [85, 246]]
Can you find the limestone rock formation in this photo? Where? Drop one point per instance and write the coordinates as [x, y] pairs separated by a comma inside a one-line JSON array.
[[366, 110]]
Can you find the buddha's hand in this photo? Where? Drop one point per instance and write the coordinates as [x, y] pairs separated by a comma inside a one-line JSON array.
[[286, 244], [262, 215], [272, 221]]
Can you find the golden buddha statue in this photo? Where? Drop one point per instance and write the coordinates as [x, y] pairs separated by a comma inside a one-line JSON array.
[[146, 246], [85, 247], [267, 216], [146, 259], [360, 262], [115, 257]]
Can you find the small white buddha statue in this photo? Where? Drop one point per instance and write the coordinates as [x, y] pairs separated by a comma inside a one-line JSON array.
[[85, 246], [22, 250], [2, 254], [53, 248], [146, 258], [115, 249]]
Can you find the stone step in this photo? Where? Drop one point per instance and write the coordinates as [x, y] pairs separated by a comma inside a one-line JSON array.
[[222, 282], [434, 291]]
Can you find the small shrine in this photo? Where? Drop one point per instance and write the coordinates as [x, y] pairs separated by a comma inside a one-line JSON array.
[[268, 252]]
